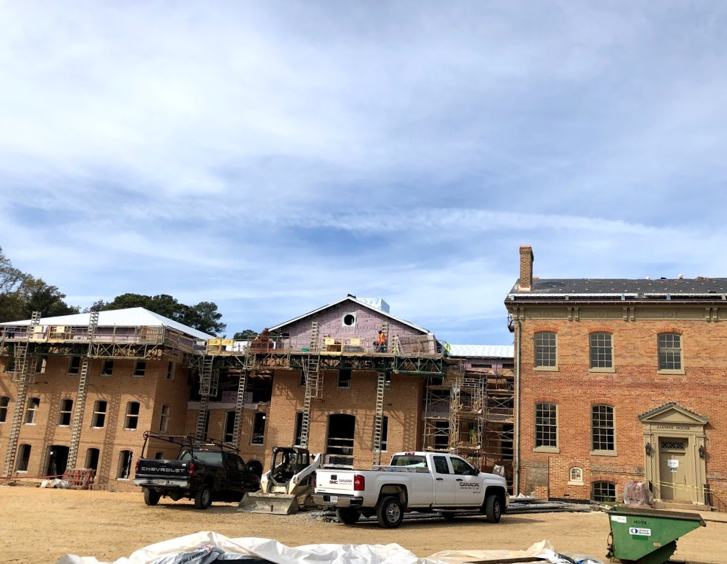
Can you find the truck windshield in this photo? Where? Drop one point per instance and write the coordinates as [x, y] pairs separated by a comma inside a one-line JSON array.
[[411, 461], [208, 457]]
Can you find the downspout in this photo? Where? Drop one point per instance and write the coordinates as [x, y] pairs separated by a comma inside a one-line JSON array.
[[516, 489]]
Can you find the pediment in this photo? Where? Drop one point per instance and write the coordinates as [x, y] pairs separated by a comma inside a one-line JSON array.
[[674, 414]]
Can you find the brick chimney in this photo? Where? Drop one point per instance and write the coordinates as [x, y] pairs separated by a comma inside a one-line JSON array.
[[526, 268]]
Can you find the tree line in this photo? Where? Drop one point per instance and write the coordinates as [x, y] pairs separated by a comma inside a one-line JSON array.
[[21, 294]]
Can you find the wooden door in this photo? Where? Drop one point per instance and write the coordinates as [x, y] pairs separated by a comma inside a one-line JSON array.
[[673, 470]]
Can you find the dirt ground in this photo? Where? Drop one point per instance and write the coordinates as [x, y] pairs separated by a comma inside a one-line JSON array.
[[40, 525]]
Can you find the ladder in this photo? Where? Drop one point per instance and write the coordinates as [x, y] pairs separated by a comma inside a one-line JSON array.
[[313, 336], [209, 380], [237, 427], [23, 373], [313, 389], [81, 395], [385, 329], [379, 417]]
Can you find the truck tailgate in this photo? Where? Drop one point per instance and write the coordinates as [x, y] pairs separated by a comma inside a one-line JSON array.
[[157, 468]]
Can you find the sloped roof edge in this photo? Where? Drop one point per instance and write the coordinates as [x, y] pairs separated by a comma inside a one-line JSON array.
[[673, 405], [357, 301]]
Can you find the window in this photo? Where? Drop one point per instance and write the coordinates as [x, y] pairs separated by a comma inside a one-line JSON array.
[[23, 458], [545, 350], [258, 429], [107, 368], [10, 366], [348, 319], [98, 420], [132, 415], [461, 467], [41, 364], [124, 469], [384, 434], [601, 350], [440, 465], [4, 401], [171, 370], [64, 416], [92, 455], [670, 351], [603, 428], [575, 476], [546, 425], [164, 420], [229, 431], [301, 382], [33, 405], [604, 491], [298, 428], [74, 365], [159, 456], [344, 378], [139, 368]]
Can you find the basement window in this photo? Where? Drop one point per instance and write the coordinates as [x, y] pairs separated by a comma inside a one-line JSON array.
[[64, 415], [123, 471], [604, 492], [132, 416], [344, 378], [258, 429], [348, 320]]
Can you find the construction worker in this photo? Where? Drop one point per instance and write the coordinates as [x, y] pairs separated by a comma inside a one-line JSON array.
[[380, 342]]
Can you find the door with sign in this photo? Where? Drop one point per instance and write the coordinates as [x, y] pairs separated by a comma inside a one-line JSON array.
[[673, 471]]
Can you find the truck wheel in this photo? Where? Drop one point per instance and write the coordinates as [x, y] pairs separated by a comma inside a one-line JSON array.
[[493, 508], [203, 497], [390, 512], [348, 516], [151, 497]]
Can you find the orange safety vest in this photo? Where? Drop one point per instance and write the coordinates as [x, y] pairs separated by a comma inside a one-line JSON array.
[[382, 339]]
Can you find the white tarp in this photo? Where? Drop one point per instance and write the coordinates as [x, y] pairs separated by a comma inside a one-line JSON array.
[[167, 552]]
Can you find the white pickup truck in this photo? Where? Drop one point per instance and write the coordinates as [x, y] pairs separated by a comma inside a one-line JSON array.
[[415, 481]]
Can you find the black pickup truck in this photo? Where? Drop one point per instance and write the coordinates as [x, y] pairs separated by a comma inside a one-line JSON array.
[[204, 471]]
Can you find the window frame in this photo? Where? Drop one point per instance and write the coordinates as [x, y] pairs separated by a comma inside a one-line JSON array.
[[385, 433], [547, 448], [346, 385], [71, 368], [129, 416], [164, 417], [577, 481], [139, 369], [258, 439], [597, 483], [228, 428], [669, 350], [96, 412], [31, 412], [121, 467], [65, 412], [591, 348], [537, 348], [23, 449], [107, 364], [4, 408], [171, 371], [599, 451]]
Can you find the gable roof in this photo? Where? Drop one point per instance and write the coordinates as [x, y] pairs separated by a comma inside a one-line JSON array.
[[129, 317], [355, 300], [482, 351], [673, 406]]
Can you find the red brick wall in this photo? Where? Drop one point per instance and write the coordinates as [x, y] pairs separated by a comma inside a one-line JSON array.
[[633, 388]]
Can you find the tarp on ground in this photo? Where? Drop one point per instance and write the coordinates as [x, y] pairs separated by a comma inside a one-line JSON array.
[[209, 547]]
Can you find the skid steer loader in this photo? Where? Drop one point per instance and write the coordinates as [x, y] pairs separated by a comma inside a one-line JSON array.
[[287, 486]]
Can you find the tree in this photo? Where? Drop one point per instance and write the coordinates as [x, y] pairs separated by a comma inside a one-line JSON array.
[[203, 316], [46, 299], [246, 335]]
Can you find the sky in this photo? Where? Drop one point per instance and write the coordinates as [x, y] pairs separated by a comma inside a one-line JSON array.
[[273, 157]]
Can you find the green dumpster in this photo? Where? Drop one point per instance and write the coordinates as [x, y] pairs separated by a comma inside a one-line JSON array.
[[647, 536]]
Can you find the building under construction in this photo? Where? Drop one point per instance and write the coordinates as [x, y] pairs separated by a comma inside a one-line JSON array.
[[78, 391]]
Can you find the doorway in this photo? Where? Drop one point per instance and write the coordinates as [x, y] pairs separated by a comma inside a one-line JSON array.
[[339, 446], [673, 469], [57, 461]]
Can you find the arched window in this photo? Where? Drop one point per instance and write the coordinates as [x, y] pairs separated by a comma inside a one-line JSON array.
[[604, 491], [546, 350], [575, 475]]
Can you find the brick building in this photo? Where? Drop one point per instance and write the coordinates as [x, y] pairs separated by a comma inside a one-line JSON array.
[[620, 380]]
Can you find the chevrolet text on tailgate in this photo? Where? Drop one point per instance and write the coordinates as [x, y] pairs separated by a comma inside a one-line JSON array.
[[415, 481]]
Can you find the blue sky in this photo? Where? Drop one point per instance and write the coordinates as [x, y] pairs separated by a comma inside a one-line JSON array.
[[274, 156]]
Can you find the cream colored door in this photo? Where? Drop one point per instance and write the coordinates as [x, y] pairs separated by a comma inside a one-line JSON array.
[[673, 471]]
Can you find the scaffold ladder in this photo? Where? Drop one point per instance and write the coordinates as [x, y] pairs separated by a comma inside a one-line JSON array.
[[23, 368], [208, 384], [239, 406], [81, 394], [379, 416]]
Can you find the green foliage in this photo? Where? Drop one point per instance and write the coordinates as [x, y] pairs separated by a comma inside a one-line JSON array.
[[203, 316], [246, 335], [21, 295]]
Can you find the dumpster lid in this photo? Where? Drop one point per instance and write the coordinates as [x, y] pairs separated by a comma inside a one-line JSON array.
[[657, 513]]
